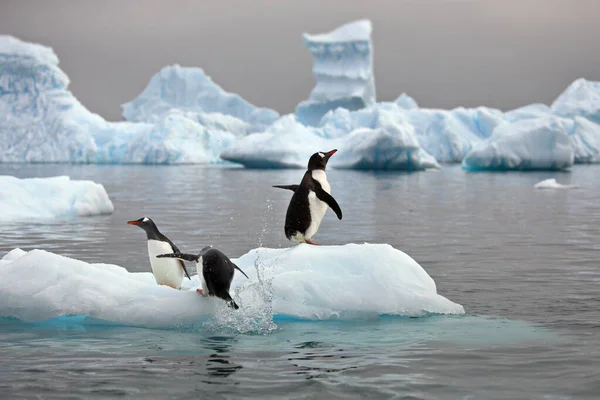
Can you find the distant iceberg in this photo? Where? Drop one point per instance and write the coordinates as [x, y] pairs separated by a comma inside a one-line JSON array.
[[41, 121], [328, 282], [343, 67], [48, 198], [377, 138], [192, 92], [530, 144]]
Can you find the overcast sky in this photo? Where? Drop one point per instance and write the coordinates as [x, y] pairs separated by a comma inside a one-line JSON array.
[[444, 53]]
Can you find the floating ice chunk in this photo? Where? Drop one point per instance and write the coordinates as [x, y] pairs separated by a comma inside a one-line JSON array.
[[192, 91], [342, 282], [532, 144], [304, 282], [42, 198], [552, 184], [581, 98], [343, 67]]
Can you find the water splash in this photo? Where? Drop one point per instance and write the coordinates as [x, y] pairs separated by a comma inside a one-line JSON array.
[[255, 314]]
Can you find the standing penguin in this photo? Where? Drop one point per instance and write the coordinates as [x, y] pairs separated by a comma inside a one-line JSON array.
[[166, 272], [215, 271], [310, 200]]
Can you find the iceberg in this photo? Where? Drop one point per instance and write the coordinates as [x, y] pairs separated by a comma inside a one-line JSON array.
[[581, 98], [585, 140], [530, 144], [378, 138], [552, 184], [46, 198], [192, 92], [305, 282], [343, 68], [41, 120]]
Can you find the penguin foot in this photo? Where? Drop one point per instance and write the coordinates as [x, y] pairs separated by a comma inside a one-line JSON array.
[[201, 292], [309, 241]]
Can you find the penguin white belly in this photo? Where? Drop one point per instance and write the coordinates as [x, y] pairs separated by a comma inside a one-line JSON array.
[[317, 209], [167, 271]]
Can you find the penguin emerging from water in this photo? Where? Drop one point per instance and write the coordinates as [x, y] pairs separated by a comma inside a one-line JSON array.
[[166, 272], [310, 200], [215, 271]]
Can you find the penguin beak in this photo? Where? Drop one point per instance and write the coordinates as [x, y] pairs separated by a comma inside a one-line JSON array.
[[330, 153], [133, 222]]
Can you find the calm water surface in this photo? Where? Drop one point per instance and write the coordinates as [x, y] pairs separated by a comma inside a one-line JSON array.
[[523, 262]]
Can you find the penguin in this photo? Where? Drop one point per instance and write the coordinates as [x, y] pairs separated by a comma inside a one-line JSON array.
[[310, 200], [166, 272], [215, 271]]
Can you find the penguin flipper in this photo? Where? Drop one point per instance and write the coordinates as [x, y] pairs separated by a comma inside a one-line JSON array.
[[293, 188], [179, 256], [177, 251], [327, 198]]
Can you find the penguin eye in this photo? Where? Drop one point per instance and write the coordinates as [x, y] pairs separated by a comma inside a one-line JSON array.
[[145, 219], [321, 155]]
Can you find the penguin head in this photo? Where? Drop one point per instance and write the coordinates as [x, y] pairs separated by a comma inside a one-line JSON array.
[[145, 223], [319, 160]]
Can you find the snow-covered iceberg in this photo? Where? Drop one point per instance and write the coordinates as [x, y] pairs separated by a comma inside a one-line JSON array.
[[306, 282], [530, 144], [343, 68], [45, 198], [192, 92], [41, 120], [378, 138]]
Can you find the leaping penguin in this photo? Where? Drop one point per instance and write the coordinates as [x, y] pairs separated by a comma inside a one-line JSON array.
[[166, 272], [215, 270], [310, 200]]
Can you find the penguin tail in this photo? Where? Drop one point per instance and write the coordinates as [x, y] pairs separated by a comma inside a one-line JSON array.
[[230, 302], [233, 305], [180, 256], [239, 269]]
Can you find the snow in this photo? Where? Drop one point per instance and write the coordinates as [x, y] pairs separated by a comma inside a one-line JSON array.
[[194, 93], [585, 140], [46, 198], [552, 184], [343, 68], [345, 282], [530, 144], [41, 120]]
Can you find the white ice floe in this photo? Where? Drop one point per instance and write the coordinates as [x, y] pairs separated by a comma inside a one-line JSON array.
[[346, 282], [44, 198], [552, 184]]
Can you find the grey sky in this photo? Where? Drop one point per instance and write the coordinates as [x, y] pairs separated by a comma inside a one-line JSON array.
[[444, 53]]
